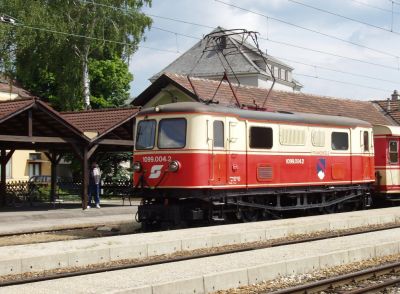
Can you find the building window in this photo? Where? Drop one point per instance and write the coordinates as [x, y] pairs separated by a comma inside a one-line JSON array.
[[261, 138], [289, 76], [35, 156], [34, 169], [393, 152], [282, 74], [276, 72], [218, 127]]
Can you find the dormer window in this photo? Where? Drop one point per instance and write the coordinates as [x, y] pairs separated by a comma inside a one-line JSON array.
[[276, 72], [282, 74]]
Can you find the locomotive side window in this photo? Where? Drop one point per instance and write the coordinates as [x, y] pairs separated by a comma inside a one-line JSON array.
[[393, 152], [318, 138], [218, 128], [261, 138], [340, 141], [172, 133], [366, 141], [145, 134]]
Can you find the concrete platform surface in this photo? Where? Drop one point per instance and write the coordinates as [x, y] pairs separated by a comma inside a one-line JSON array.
[[222, 272], [61, 254], [72, 216]]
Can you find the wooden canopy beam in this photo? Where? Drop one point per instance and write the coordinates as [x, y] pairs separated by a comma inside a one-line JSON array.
[[35, 139]]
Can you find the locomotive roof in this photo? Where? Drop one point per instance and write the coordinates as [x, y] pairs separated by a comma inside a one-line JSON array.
[[387, 130], [295, 117]]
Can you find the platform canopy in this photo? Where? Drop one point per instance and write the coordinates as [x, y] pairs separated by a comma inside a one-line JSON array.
[[30, 124]]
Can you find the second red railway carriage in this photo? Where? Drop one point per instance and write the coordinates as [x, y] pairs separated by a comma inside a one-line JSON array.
[[194, 161]]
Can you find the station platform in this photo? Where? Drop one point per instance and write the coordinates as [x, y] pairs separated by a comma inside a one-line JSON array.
[[47, 217], [210, 274], [19, 259]]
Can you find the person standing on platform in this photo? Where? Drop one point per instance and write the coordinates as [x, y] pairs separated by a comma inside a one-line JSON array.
[[94, 185]]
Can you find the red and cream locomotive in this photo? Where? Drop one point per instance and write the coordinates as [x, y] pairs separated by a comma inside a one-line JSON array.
[[195, 162]]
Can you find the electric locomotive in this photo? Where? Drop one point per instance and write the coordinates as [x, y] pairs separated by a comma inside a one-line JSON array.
[[196, 162]]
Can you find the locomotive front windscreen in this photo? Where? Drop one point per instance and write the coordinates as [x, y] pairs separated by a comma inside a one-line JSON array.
[[172, 133], [146, 131]]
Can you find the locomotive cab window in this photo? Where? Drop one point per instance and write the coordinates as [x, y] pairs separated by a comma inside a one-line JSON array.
[[261, 138], [340, 141], [145, 137], [218, 129], [366, 140], [393, 152], [172, 133]]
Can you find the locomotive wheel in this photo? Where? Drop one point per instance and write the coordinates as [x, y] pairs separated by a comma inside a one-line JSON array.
[[250, 214], [330, 209]]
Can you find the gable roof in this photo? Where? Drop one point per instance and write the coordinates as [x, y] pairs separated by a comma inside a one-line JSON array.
[[200, 62], [277, 101], [99, 121], [9, 108]]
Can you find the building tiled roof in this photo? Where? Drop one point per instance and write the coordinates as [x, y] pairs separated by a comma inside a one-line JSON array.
[[14, 88], [8, 108], [278, 100], [98, 120], [391, 108], [202, 60]]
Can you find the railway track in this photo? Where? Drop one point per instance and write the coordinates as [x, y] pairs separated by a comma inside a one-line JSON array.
[[383, 277], [184, 255]]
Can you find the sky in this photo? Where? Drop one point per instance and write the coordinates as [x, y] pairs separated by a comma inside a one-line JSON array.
[[363, 61]]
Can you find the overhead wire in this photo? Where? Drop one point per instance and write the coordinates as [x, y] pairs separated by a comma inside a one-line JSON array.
[[16, 25], [342, 16], [337, 70], [373, 6], [266, 16], [340, 82], [206, 26], [266, 39], [308, 29]]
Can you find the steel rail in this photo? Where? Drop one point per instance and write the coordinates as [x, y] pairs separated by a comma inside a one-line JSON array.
[[251, 247], [331, 283]]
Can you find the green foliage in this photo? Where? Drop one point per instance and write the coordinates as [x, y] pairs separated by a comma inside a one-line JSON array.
[[109, 84], [110, 166], [49, 64]]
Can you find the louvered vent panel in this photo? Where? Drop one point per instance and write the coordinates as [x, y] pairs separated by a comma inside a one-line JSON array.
[[264, 173]]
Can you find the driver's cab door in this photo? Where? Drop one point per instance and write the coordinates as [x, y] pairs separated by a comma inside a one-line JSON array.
[[217, 146]]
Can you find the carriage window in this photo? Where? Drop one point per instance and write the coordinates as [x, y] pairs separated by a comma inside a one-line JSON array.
[[366, 141], [261, 138], [340, 141], [172, 133], [145, 137], [218, 127], [393, 152]]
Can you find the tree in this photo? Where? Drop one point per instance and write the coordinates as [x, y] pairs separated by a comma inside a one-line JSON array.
[[50, 47], [109, 82]]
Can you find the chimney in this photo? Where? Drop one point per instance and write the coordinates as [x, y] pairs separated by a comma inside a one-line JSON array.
[[395, 96], [388, 105]]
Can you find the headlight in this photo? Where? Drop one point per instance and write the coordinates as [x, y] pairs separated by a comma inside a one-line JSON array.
[[137, 167], [174, 166]]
